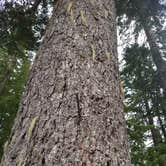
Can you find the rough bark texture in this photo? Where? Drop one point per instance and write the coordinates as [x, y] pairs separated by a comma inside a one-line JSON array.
[[72, 112]]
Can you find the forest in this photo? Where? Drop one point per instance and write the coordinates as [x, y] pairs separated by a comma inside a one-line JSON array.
[[46, 71]]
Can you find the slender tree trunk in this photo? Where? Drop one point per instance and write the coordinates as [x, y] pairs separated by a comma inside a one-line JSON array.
[[158, 111], [163, 109], [72, 112], [162, 127], [156, 56], [156, 136]]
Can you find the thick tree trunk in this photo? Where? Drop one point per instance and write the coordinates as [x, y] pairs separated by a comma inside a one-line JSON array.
[[72, 112]]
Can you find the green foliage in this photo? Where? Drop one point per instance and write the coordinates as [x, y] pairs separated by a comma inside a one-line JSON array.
[[9, 99], [144, 100], [142, 12], [22, 27], [143, 104], [132, 7], [156, 155]]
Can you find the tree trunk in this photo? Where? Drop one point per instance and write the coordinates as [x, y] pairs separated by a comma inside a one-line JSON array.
[[156, 55], [156, 136], [71, 113], [159, 113]]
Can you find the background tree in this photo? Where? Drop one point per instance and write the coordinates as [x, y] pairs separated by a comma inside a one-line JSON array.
[[144, 79], [144, 103], [149, 16]]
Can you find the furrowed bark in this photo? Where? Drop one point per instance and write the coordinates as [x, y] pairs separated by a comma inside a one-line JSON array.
[[71, 113]]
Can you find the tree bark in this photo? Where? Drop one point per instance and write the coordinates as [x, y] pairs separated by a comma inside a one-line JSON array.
[[71, 113]]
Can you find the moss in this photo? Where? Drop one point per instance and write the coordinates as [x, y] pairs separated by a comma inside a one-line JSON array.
[[32, 126], [71, 15], [70, 11], [106, 14], [5, 146], [20, 162], [69, 7], [13, 138], [121, 88], [93, 52], [109, 55], [83, 17]]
